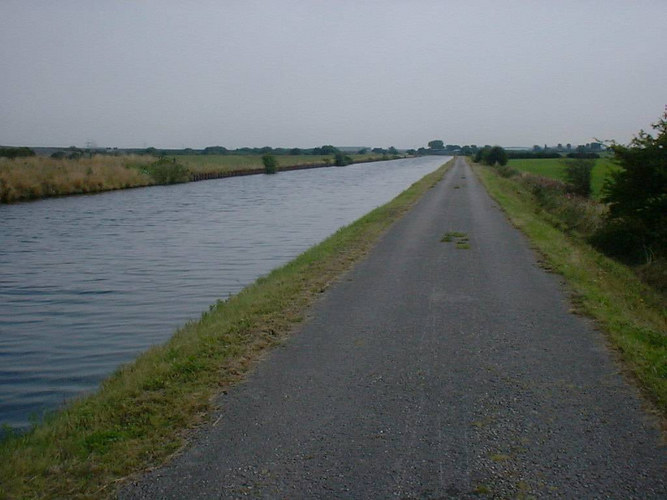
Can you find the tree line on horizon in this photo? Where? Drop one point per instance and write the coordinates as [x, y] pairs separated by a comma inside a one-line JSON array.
[[435, 147]]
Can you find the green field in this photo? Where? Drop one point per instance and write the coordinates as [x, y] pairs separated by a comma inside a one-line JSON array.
[[555, 169]]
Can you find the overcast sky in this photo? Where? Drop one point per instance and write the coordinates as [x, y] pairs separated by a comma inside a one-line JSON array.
[[345, 72]]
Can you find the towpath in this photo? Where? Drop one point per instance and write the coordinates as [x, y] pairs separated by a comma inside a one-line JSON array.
[[432, 370]]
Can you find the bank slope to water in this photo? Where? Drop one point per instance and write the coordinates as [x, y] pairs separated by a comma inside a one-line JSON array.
[[141, 413]]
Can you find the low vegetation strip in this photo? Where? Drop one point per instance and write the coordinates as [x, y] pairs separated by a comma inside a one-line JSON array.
[[140, 414], [632, 313], [554, 168], [35, 177], [38, 177]]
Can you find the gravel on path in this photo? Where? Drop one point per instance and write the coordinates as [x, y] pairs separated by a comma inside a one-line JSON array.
[[434, 369]]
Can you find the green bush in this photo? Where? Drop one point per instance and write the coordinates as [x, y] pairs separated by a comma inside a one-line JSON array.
[[270, 163], [481, 154], [578, 174], [340, 160], [167, 171], [495, 155], [636, 227], [491, 156]]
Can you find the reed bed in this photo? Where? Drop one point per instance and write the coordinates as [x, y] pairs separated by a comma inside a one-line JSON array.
[[213, 164], [38, 177]]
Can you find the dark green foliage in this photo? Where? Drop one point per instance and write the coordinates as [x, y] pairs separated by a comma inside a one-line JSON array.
[[21, 152], [526, 155], [482, 153], [436, 144], [340, 159], [636, 227], [589, 156], [491, 156], [496, 155], [622, 241], [215, 150], [167, 171], [578, 174], [270, 163]]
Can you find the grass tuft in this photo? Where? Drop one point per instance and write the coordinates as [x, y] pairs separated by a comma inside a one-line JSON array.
[[461, 239], [141, 414]]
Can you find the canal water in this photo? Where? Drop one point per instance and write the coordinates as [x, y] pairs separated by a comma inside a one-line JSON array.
[[89, 282]]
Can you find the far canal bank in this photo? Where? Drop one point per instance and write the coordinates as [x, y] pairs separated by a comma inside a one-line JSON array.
[[34, 178]]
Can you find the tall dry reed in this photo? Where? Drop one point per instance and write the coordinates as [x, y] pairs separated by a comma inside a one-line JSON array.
[[39, 177]]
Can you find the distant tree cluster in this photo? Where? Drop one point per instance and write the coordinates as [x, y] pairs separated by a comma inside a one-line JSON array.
[[21, 152], [590, 150], [525, 155], [491, 156], [438, 147], [324, 150], [71, 153]]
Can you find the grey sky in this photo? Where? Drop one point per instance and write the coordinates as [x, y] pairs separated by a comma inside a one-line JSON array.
[[345, 72]]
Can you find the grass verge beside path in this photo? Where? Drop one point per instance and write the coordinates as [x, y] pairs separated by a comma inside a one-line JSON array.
[[141, 414], [632, 314]]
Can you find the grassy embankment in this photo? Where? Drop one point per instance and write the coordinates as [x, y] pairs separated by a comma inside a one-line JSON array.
[[230, 163], [632, 314], [40, 177], [140, 414], [554, 168]]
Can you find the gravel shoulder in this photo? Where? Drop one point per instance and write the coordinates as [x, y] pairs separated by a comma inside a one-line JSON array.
[[433, 369]]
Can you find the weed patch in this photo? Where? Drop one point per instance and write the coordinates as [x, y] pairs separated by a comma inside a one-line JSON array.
[[460, 239]]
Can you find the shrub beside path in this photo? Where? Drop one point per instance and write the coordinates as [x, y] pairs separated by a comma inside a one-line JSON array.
[[439, 367]]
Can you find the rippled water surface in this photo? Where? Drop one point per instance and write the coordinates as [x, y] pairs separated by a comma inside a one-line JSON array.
[[88, 282]]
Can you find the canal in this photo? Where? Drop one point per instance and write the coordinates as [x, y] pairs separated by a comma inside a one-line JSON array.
[[88, 282]]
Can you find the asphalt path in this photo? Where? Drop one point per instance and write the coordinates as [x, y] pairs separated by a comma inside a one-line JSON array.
[[431, 370]]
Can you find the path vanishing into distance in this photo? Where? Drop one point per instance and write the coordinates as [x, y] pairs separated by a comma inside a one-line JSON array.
[[431, 370]]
